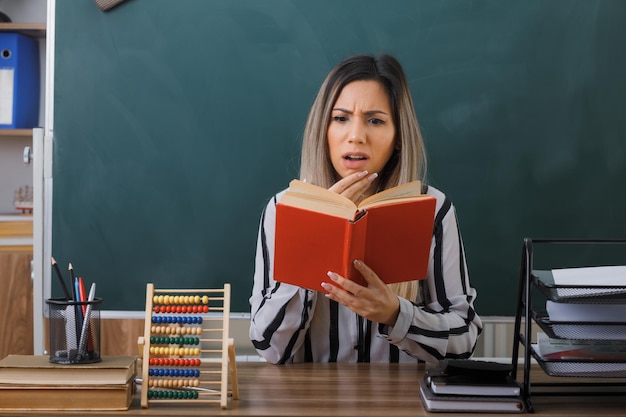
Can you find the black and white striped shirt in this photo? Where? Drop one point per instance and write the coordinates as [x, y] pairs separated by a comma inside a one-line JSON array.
[[293, 324]]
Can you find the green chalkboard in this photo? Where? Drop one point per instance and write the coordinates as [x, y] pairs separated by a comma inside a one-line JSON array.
[[174, 123]]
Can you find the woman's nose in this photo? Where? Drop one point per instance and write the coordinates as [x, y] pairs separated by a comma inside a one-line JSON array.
[[357, 133]]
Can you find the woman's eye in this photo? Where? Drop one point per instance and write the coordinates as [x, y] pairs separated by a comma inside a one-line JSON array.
[[377, 121], [339, 118]]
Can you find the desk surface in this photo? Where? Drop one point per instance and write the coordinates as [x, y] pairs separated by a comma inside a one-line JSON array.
[[364, 390]]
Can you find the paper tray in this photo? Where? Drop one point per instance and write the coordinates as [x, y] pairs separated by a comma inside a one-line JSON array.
[[606, 294], [579, 330], [581, 368]]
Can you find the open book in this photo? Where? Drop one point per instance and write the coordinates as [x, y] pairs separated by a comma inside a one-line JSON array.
[[318, 230]]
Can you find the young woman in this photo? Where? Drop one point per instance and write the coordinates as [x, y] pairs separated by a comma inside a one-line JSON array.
[[361, 137]]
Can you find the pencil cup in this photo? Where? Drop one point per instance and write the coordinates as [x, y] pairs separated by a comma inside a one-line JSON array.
[[74, 331]]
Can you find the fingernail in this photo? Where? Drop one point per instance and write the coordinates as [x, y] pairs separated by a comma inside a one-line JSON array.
[[362, 174], [373, 176], [356, 262], [327, 286], [332, 275]]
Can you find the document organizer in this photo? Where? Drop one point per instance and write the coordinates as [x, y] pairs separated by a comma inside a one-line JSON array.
[[19, 81], [585, 376], [187, 354]]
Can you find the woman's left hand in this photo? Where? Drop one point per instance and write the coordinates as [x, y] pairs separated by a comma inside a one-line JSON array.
[[376, 302]]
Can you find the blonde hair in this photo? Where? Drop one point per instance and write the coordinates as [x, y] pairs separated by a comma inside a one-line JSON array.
[[408, 161]]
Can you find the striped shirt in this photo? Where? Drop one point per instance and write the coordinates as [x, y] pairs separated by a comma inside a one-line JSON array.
[[293, 324]]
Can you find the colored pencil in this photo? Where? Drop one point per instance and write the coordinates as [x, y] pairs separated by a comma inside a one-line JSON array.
[[82, 346]]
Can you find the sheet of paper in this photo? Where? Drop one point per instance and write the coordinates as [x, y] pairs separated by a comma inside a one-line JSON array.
[[6, 95], [580, 312], [592, 276]]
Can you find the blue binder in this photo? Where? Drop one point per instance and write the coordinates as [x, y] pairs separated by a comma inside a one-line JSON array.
[[19, 81]]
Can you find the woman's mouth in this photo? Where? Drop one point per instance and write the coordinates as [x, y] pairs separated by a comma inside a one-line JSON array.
[[355, 160], [355, 156]]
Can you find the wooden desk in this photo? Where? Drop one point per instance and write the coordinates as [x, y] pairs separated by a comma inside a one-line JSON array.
[[363, 390]]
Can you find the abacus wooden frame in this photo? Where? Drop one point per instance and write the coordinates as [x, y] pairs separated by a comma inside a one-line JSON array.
[[225, 355]]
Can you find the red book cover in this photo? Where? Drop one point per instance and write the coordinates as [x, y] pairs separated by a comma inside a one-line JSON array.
[[399, 238]]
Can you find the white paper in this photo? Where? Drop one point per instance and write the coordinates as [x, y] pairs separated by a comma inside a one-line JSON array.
[[7, 76], [591, 276], [597, 276], [579, 312]]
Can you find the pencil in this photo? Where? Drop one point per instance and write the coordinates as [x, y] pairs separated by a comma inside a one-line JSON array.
[[78, 311], [73, 281], [82, 345], [60, 277], [81, 292]]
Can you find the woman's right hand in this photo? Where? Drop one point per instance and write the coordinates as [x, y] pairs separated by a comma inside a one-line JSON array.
[[355, 186]]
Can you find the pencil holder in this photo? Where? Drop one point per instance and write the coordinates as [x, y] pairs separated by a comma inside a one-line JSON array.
[[74, 331]]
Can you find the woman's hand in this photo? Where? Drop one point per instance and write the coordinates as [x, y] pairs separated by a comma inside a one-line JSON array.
[[376, 302], [354, 185]]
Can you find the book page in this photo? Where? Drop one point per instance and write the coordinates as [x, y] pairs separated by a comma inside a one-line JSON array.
[[310, 202], [395, 200], [315, 192], [402, 192], [311, 197]]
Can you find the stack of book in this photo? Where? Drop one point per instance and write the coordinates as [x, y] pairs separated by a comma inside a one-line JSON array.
[[30, 382], [471, 386]]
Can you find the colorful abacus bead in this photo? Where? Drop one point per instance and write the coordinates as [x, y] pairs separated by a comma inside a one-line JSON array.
[[179, 395]]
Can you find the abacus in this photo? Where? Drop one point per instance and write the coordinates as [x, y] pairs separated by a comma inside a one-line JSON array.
[[186, 352]]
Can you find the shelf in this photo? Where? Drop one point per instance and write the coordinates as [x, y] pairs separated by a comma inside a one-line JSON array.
[[34, 30], [16, 132]]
